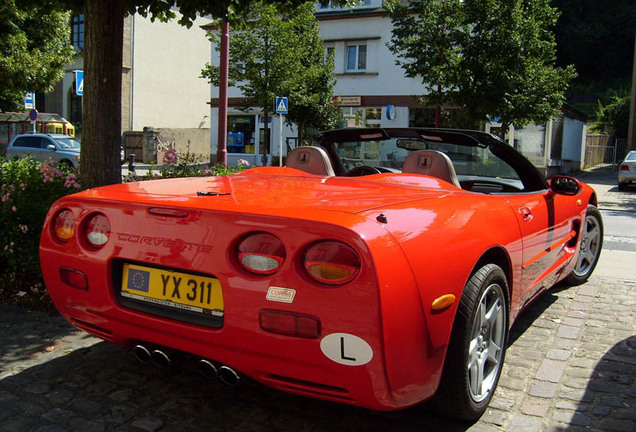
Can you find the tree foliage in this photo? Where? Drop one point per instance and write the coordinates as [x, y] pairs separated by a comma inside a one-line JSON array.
[[34, 49], [613, 117], [597, 36], [281, 55], [490, 57], [102, 66]]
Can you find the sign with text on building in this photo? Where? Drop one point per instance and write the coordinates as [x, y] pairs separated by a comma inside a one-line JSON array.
[[79, 82], [347, 100]]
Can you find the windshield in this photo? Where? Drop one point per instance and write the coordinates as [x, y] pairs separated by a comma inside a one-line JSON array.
[[69, 143], [469, 161], [631, 156]]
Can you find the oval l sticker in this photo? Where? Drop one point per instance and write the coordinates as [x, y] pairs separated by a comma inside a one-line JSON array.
[[346, 349]]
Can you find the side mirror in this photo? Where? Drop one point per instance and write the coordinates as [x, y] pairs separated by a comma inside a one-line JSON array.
[[51, 147], [564, 185]]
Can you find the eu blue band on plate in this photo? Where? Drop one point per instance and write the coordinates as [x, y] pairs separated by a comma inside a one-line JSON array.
[[138, 280]]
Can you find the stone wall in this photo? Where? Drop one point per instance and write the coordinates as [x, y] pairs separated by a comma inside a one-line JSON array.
[[156, 141]]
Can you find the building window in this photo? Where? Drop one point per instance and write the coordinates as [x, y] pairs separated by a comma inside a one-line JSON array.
[[75, 109], [77, 32], [330, 5], [356, 58], [330, 52]]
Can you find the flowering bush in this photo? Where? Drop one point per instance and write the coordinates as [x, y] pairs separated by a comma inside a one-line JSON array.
[[28, 188], [186, 165]]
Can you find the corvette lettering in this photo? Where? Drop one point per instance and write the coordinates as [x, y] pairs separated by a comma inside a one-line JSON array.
[[179, 245]]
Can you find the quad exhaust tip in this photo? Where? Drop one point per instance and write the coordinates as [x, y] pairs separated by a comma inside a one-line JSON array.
[[207, 368], [142, 353], [161, 358], [229, 376]]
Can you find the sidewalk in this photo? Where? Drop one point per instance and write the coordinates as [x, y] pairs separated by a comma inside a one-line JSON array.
[[613, 263]]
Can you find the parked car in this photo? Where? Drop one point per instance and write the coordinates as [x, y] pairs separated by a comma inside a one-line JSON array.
[[63, 149], [627, 171], [379, 269]]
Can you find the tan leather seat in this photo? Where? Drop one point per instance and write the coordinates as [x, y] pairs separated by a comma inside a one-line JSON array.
[[431, 163], [312, 160]]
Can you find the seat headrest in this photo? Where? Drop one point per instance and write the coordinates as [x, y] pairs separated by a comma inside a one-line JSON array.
[[431, 163], [311, 159]]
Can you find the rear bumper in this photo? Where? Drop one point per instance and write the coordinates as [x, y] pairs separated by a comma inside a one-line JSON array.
[[626, 177]]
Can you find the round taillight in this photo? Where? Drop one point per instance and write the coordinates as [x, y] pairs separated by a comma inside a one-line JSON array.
[[261, 253], [97, 230], [331, 262], [64, 225]]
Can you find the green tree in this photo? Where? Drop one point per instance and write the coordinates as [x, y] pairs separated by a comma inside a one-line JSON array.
[[426, 39], [498, 56], [104, 24], [34, 48], [281, 55], [597, 36], [613, 117]]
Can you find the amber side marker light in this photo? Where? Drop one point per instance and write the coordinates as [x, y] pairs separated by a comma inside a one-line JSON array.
[[64, 225], [441, 303], [331, 262]]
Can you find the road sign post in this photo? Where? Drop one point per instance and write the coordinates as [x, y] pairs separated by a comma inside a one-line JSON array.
[[281, 108]]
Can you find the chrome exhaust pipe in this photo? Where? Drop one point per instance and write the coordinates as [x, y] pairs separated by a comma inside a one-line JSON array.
[[229, 376], [161, 358], [207, 368], [142, 353]]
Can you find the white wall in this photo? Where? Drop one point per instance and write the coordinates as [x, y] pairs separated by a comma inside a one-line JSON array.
[[573, 135], [167, 62], [383, 77]]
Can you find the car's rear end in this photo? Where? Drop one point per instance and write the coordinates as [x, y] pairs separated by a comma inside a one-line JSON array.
[[283, 288], [627, 171]]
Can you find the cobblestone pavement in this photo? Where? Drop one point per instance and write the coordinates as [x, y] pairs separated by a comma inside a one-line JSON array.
[[571, 366]]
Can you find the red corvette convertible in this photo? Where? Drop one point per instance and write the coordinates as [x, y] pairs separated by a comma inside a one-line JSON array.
[[379, 269]]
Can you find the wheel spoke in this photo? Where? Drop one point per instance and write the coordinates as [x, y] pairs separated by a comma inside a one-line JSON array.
[[476, 372]]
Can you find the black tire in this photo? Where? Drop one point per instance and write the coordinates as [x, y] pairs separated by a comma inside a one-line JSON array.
[[622, 186], [590, 245], [477, 347]]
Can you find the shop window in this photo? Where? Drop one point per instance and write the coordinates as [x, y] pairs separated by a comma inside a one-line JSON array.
[[240, 136], [362, 117]]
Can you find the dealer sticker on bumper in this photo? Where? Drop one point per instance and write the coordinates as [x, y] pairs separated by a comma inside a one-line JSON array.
[[283, 295]]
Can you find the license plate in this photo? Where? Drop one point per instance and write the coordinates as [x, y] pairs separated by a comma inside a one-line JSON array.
[[174, 289]]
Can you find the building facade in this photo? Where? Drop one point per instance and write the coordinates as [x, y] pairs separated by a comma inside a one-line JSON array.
[[372, 91], [161, 84]]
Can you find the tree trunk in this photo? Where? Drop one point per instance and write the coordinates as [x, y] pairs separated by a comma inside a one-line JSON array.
[[101, 135]]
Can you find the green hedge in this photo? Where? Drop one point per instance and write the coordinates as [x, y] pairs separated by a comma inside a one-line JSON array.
[[28, 188]]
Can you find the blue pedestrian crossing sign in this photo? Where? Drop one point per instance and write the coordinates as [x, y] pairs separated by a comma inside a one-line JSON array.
[[79, 82], [281, 105]]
